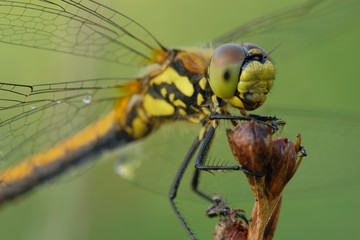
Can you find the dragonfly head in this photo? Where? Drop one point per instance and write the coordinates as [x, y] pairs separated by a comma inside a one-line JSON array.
[[241, 75]]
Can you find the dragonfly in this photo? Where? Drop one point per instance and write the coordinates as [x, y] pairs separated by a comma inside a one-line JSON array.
[[92, 97]]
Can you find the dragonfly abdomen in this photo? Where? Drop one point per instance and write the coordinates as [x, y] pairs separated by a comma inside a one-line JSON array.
[[45, 165]]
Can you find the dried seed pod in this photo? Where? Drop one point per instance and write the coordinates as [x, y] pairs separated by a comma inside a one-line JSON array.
[[283, 165], [251, 145], [254, 149]]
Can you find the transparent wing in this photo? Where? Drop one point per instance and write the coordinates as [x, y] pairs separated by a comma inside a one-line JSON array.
[[331, 139], [82, 27], [34, 118], [300, 26]]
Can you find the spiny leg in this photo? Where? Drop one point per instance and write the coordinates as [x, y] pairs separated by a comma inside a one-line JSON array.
[[176, 182], [272, 122], [199, 164]]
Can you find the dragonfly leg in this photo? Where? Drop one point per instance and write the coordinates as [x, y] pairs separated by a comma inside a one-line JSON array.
[[272, 122], [267, 118], [195, 184], [199, 162], [196, 175], [200, 158], [176, 183]]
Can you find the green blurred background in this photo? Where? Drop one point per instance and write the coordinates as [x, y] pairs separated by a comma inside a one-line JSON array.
[[319, 71]]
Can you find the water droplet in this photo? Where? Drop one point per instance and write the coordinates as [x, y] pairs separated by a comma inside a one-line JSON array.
[[125, 171], [87, 99], [129, 160]]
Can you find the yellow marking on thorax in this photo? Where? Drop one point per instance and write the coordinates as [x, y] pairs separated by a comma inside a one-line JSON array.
[[163, 92], [194, 120], [170, 76], [182, 112], [205, 111], [142, 114], [139, 127], [157, 107], [202, 83], [200, 99], [179, 103]]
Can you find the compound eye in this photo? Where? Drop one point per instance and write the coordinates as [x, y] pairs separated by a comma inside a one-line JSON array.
[[225, 69]]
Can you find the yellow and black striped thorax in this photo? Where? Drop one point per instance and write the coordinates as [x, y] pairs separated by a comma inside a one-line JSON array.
[[178, 91]]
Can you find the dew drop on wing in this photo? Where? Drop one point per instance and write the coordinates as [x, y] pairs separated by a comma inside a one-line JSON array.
[[87, 99], [128, 159]]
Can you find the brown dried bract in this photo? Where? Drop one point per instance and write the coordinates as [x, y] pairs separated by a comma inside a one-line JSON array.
[[251, 145], [269, 165]]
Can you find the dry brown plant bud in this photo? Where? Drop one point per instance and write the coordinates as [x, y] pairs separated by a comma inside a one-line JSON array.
[[269, 164]]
